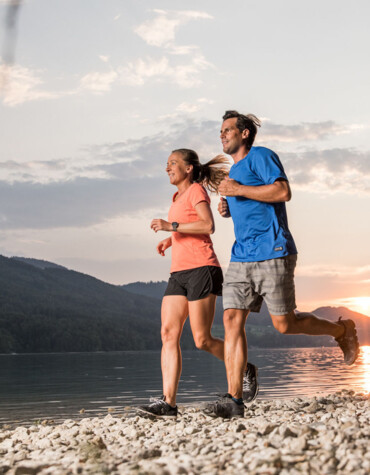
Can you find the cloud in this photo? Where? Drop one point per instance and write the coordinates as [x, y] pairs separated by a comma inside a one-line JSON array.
[[125, 177], [19, 84], [350, 273], [160, 31], [185, 75], [147, 155], [48, 171], [190, 108], [330, 171], [305, 131], [98, 82], [104, 58], [77, 203]]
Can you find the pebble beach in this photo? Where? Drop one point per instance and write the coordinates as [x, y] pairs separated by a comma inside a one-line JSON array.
[[320, 435]]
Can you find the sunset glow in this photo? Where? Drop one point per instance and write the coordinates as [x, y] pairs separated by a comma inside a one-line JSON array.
[[357, 304]]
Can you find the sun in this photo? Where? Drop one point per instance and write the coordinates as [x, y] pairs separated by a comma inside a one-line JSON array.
[[362, 305]]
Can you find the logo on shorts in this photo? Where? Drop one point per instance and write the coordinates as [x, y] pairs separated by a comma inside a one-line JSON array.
[[278, 248]]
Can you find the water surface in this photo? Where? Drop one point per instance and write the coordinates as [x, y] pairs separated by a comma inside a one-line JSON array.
[[59, 385]]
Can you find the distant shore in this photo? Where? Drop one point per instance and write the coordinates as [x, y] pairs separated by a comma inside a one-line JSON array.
[[323, 435]]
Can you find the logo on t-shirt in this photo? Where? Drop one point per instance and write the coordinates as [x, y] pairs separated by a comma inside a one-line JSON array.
[[278, 248]]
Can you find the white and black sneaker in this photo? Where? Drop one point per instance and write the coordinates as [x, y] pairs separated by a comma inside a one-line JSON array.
[[250, 383], [158, 408]]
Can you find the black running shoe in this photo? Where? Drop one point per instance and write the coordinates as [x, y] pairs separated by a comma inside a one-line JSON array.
[[250, 383], [158, 408], [225, 407], [348, 342]]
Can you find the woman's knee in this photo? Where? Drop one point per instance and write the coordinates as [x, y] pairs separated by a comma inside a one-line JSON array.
[[170, 335]]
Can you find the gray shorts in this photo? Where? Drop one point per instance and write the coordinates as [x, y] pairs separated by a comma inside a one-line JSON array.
[[247, 284]]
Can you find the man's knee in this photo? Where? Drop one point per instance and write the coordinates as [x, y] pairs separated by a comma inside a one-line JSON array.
[[285, 324], [234, 319]]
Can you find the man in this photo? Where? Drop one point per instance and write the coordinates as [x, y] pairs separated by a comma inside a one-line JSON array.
[[263, 257]]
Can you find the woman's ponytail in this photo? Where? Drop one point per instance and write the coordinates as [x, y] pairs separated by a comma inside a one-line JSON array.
[[211, 173]]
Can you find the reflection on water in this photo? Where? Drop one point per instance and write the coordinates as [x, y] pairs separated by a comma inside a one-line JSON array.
[[365, 360], [59, 385]]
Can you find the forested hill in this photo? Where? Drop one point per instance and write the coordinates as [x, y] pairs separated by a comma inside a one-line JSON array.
[[50, 308]]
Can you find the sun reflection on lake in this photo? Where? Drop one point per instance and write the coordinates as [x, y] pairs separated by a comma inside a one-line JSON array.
[[364, 360]]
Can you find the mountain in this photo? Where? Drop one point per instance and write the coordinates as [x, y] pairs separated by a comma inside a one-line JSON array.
[[259, 327], [45, 307], [39, 263], [48, 308], [149, 289]]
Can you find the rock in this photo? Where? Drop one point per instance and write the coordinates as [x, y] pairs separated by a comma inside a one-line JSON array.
[[29, 469], [191, 430], [312, 408], [298, 445], [273, 438], [98, 441], [287, 432], [240, 428], [267, 428]]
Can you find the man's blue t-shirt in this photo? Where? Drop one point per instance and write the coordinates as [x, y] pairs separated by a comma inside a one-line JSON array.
[[261, 229]]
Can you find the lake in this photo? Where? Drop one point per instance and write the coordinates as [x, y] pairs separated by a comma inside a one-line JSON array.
[[58, 385]]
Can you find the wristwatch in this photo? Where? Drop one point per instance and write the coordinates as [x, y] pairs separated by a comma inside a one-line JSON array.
[[175, 226]]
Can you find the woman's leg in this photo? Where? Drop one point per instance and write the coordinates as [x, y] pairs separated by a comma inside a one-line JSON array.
[[201, 314], [174, 313]]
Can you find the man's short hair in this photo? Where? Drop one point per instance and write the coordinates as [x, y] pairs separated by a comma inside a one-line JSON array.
[[249, 122]]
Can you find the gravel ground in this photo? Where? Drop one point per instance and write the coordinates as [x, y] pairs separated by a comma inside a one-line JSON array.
[[321, 435]]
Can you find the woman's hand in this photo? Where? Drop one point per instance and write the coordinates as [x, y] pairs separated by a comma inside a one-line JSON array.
[[160, 225], [163, 245], [223, 208]]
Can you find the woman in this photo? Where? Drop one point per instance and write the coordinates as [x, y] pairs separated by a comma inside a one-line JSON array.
[[196, 276]]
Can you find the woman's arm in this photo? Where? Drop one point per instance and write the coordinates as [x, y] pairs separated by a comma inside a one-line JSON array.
[[205, 224]]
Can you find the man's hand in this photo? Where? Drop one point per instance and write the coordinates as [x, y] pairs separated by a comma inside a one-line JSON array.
[[223, 208], [229, 187], [160, 225], [163, 245]]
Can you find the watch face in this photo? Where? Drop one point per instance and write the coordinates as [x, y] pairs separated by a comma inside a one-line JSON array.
[[175, 226]]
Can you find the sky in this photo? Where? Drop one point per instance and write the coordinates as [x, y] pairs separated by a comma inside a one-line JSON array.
[[96, 93]]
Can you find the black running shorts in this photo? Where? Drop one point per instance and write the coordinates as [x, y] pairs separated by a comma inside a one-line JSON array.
[[196, 284]]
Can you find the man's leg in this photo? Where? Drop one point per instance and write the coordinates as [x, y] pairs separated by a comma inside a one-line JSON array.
[[344, 331], [235, 349], [231, 404], [307, 324]]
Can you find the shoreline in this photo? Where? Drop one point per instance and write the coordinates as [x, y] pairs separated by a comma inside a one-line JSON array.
[[324, 435]]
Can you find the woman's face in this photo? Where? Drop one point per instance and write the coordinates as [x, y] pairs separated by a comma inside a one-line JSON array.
[[177, 169]]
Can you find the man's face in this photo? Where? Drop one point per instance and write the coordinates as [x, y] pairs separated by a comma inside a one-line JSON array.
[[231, 137]]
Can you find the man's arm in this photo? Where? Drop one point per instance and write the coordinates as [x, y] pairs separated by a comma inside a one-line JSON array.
[[277, 192]]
